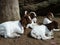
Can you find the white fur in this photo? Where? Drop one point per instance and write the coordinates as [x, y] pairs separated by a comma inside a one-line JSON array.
[[25, 12], [46, 21], [34, 20], [11, 28], [33, 23], [40, 31], [56, 29]]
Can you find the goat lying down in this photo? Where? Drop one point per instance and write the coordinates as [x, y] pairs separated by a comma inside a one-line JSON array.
[[49, 18], [43, 31], [11, 29]]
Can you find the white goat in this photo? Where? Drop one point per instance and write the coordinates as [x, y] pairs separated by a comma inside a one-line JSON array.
[[13, 29], [10, 28], [40, 31]]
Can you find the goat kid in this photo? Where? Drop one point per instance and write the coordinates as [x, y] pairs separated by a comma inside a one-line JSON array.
[[49, 18], [40, 31], [11, 29]]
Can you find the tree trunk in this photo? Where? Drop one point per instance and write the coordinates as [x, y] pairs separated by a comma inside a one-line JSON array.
[[9, 10]]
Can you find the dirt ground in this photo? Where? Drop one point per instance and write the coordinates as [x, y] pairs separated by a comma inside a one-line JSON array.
[[26, 39]]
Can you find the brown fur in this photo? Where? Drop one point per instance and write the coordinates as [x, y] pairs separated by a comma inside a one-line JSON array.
[[24, 21], [55, 24], [50, 26]]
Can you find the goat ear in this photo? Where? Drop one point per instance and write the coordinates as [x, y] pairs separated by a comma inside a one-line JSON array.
[[33, 13], [52, 15], [29, 17], [25, 12]]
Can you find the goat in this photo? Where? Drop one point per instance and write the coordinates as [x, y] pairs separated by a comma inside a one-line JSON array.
[[40, 31], [50, 18], [12, 29]]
